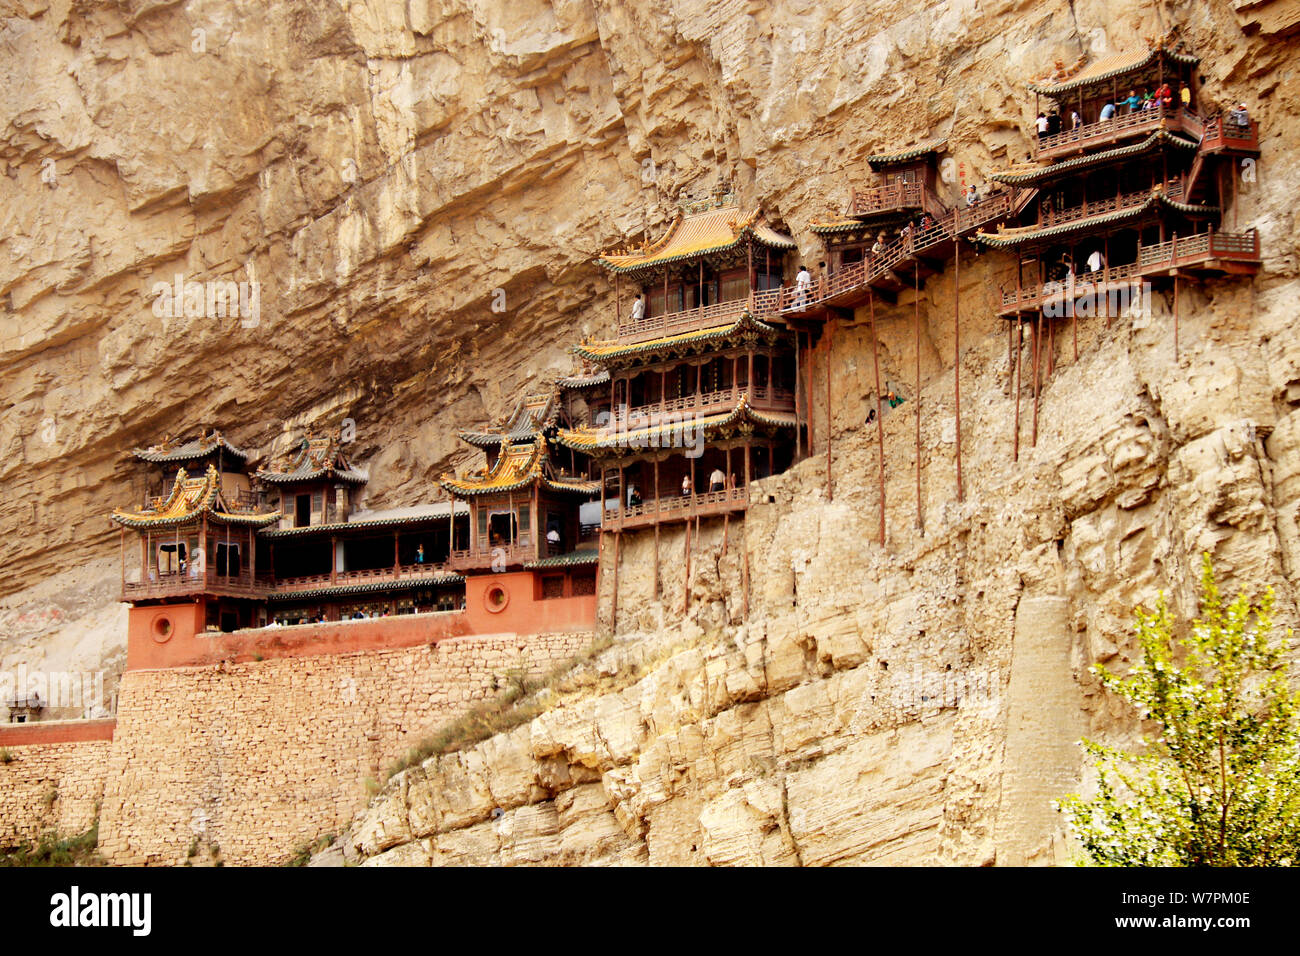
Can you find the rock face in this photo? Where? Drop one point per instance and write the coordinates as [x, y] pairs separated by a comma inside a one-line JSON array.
[[417, 190]]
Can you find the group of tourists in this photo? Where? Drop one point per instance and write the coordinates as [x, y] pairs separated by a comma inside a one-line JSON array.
[[1162, 97]]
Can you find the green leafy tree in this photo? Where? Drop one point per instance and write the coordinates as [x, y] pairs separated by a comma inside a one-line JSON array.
[[1219, 785]]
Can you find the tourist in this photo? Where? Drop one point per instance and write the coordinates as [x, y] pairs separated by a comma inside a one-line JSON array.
[[1240, 117], [686, 486], [717, 480], [1042, 125], [638, 308], [1096, 261], [1185, 95], [1108, 112], [926, 222], [553, 535], [1165, 96], [634, 497], [871, 416], [1134, 101], [1075, 119], [802, 283], [878, 246], [971, 198], [419, 555], [1053, 123]]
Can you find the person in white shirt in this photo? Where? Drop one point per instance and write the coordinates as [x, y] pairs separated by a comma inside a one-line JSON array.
[[802, 282], [1095, 261], [638, 309], [717, 480], [686, 486], [1042, 125]]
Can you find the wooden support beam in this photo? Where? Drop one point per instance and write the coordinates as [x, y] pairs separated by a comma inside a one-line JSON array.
[[1020, 348], [1038, 346], [956, 364], [613, 607], [830, 339], [916, 320], [1175, 315], [880, 410]]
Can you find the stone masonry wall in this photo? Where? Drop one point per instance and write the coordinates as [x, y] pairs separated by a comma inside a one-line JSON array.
[[48, 787], [257, 758]]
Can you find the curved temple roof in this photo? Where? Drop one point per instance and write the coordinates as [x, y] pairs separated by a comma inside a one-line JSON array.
[[518, 466], [700, 234], [190, 450], [1040, 173], [532, 414], [1109, 67], [1014, 237], [590, 439], [318, 457], [926, 148], [190, 498], [613, 349]]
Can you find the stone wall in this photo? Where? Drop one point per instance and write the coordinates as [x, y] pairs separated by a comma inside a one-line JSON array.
[[259, 757], [51, 778]]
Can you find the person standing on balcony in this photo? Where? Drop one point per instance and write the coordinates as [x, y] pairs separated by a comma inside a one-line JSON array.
[[638, 308], [1053, 122], [1165, 96], [1096, 261], [1107, 112], [1075, 119], [878, 247], [419, 555], [1185, 95], [686, 486], [1134, 101], [717, 480], [1240, 117], [802, 283], [1042, 126]]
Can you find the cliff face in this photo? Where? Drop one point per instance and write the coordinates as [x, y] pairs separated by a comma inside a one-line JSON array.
[[417, 190]]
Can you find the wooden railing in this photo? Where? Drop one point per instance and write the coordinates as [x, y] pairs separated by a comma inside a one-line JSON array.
[[669, 508], [895, 196], [517, 553], [650, 413], [168, 583], [405, 572], [1184, 250], [720, 313], [1173, 189], [1220, 132], [1092, 134]]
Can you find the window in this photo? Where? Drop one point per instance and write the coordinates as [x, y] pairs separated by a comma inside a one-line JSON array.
[[552, 586], [302, 511], [227, 559]]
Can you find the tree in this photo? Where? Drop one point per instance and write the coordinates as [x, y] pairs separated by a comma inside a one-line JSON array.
[[1219, 785]]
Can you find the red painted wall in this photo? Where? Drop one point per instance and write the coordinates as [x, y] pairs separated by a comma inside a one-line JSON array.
[[56, 732], [187, 646], [507, 602]]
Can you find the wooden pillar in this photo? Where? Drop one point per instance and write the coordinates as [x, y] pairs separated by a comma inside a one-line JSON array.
[[1020, 347], [618, 299], [122, 553], [1051, 347], [798, 397], [880, 412], [1038, 346], [916, 320], [956, 348], [1175, 315], [397, 558], [613, 605], [656, 473], [686, 580], [830, 339], [252, 559]]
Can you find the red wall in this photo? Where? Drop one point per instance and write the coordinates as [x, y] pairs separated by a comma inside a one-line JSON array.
[[186, 646], [522, 612], [56, 732]]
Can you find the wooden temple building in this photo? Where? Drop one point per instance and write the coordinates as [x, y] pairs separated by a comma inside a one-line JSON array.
[[1127, 200]]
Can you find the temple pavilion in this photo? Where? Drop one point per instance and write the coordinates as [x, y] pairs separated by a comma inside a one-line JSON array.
[[1130, 194], [690, 403]]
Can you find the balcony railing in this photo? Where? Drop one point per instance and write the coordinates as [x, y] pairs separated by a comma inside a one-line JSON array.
[[676, 508], [892, 198], [1182, 251], [405, 572], [1117, 127], [1097, 207], [1222, 133], [500, 555], [173, 583], [762, 396], [687, 320]]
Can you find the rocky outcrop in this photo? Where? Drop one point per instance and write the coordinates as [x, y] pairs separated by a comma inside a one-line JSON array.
[[418, 189]]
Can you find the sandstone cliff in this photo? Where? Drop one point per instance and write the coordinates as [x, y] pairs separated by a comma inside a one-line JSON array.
[[383, 170]]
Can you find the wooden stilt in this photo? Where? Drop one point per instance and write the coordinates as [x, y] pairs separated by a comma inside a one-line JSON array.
[[613, 608], [1051, 348], [1175, 317], [880, 411], [830, 339], [1020, 347], [745, 581], [686, 584], [1038, 347], [656, 473], [956, 364], [916, 321], [798, 396]]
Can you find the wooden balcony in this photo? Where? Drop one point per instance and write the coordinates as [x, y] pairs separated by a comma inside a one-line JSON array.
[[1108, 204], [413, 573], [178, 584], [679, 508], [884, 200], [688, 320], [1124, 126], [1223, 135], [1214, 252], [502, 556], [703, 403]]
